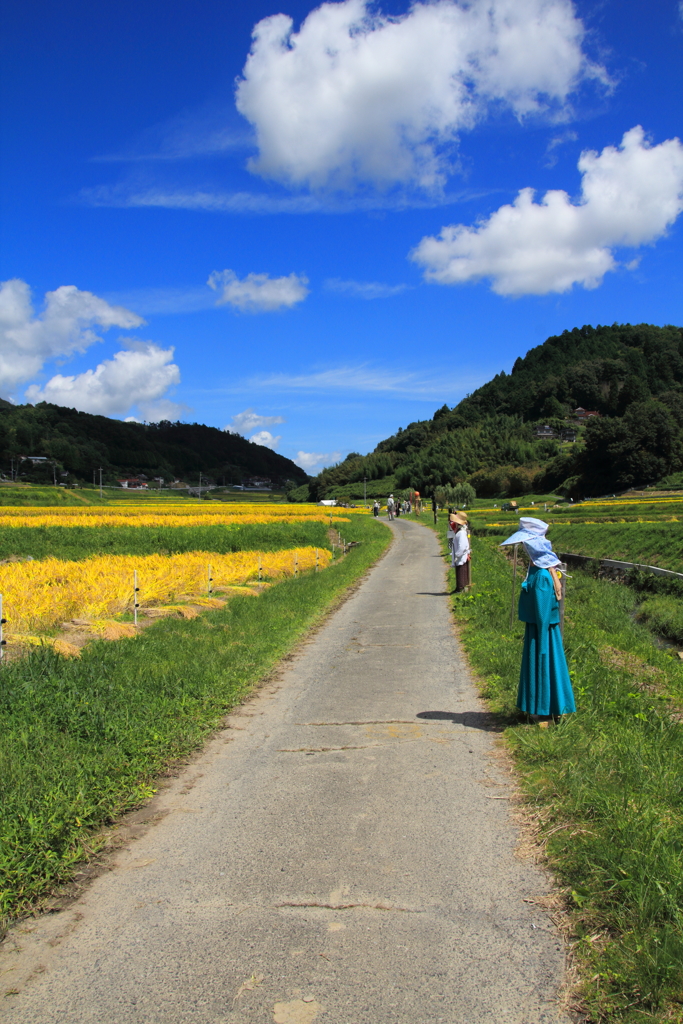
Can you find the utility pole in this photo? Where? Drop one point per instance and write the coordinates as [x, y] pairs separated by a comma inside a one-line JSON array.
[[100, 481], [365, 490], [54, 472], [200, 486]]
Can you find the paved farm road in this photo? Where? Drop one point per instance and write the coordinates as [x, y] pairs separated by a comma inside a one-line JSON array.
[[343, 853]]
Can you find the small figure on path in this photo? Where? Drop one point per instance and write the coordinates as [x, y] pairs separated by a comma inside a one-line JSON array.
[[545, 689], [390, 506], [375, 508], [460, 550]]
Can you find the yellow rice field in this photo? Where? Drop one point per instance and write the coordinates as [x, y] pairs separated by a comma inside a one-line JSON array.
[[39, 595], [145, 519], [165, 515], [167, 508]]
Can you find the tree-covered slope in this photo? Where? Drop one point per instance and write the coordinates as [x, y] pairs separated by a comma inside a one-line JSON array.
[[631, 375], [79, 442]]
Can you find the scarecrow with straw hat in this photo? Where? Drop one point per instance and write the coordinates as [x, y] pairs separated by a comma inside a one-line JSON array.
[[460, 550], [545, 689]]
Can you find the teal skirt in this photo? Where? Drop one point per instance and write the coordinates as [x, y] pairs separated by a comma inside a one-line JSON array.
[[544, 684]]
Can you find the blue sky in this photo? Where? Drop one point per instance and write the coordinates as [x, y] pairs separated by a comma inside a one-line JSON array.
[[321, 232]]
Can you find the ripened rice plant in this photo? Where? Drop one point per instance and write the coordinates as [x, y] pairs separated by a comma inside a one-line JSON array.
[[39, 595], [108, 518], [166, 514]]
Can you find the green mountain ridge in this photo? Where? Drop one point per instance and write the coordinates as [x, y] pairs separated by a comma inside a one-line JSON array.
[[631, 375], [79, 442]]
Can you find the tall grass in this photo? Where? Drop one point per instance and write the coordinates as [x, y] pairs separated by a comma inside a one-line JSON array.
[[605, 784], [81, 741]]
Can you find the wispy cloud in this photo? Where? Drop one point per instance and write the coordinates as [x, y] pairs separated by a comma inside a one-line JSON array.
[[558, 140], [207, 131], [132, 195], [364, 289], [162, 301], [369, 379]]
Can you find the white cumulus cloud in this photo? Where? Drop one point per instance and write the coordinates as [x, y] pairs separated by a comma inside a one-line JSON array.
[[265, 438], [248, 420], [139, 375], [258, 293], [356, 95], [309, 460], [630, 195], [65, 326]]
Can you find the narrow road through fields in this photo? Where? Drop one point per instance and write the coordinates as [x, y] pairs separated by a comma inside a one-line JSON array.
[[343, 852]]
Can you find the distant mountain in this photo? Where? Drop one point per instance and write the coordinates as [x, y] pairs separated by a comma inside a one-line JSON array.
[[79, 443], [632, 376]]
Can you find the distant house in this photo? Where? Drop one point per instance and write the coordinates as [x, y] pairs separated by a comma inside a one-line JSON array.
[[133, 483], [582, 415], [36, 460], [568, 434], [545, 431], [261, 483]]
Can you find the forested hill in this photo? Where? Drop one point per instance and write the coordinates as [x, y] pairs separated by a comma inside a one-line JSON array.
[[79, 443], [631, 375]]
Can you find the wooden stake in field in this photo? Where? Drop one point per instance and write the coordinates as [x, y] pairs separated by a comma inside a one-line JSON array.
[[2, 637], [317, 560], [136, 603], [514, 584], [296, 563], [259, 570], [209, 587]]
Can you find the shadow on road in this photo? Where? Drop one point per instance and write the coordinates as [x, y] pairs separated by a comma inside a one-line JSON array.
[[472, 719]]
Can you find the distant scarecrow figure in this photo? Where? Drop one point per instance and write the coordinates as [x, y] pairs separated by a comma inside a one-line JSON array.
[[545, 689], [460, 550]]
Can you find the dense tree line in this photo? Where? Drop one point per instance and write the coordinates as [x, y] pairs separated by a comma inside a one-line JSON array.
[[631, 375], [77, 443]]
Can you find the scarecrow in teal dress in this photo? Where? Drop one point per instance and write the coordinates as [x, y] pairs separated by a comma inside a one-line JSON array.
[[545, 689]]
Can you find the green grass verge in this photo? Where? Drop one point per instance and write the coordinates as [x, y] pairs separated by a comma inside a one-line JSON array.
[[81, 741], [25, 494], [605, 784], [663, 614], [645, 543], [76, 542]]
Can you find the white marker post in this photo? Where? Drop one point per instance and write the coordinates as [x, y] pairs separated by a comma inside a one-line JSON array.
[[2, 632], [209, 588], [317, 560], [136, 603]]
